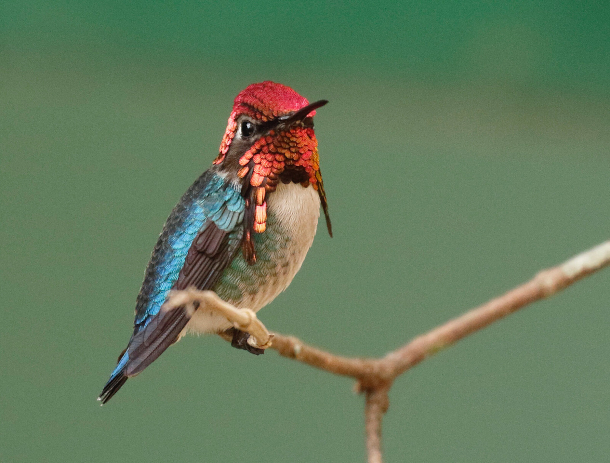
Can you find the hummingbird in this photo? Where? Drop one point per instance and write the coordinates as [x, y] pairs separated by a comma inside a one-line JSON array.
[[242, 229]]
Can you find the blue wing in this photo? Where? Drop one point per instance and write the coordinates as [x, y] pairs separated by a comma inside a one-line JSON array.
[[198, 241]]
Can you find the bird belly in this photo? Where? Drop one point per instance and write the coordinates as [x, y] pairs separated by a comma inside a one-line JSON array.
[[292, 219]]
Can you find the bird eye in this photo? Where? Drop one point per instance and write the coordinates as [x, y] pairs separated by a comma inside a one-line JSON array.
[[247, 129]]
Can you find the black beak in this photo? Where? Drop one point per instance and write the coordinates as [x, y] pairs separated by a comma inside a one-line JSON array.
[[303, 112]]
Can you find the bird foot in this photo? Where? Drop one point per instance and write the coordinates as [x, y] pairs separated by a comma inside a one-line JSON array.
[[240, 341]]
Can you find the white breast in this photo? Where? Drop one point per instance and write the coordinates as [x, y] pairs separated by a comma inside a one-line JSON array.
[[297, 209]]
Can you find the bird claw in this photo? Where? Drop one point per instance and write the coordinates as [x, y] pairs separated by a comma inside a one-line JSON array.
[[240, 341]]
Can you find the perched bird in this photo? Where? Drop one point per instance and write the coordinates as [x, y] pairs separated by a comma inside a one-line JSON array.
[[241, 230]]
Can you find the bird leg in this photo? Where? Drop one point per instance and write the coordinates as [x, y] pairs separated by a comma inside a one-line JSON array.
[[248, 331]]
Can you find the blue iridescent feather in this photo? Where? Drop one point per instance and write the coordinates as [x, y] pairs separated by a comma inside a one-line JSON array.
[[210, 199], [210, 202]]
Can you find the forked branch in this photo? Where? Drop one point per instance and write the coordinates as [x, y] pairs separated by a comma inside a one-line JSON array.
[[375, 376]]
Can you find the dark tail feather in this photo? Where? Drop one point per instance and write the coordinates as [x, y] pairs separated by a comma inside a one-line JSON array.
[[145, 346], [117, 378], [152, 340], [112, 386]]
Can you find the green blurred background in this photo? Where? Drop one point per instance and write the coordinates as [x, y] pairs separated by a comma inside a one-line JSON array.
[[465, 147]]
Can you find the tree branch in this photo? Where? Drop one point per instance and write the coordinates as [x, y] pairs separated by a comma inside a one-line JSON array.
[[377, 403], [375, 376]]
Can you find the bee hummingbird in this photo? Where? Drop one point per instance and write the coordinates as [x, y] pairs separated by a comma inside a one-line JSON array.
[[241, 230]]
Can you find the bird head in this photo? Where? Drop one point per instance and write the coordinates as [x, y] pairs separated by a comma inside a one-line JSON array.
[[270, 139]]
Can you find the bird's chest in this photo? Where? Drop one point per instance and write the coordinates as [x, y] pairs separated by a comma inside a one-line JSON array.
[[292, 219]]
